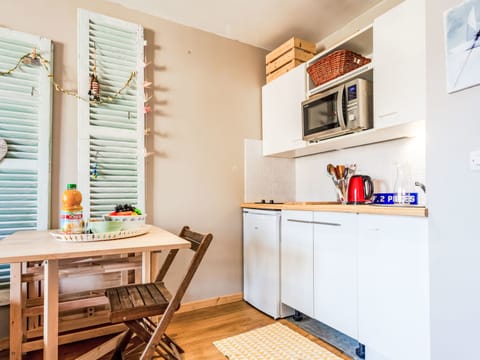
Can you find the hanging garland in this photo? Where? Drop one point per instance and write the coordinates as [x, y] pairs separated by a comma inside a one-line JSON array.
[[33, 58]]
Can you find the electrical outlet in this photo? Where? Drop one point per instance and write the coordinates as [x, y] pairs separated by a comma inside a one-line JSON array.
[[475, 160]]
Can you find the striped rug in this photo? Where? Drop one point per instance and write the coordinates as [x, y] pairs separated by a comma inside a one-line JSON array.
[[272, 342]]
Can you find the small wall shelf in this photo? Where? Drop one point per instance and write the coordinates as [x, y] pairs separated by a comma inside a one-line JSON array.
[[362, 43]]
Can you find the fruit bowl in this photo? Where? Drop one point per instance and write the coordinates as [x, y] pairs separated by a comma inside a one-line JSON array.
[[101, 226], [129, 222]]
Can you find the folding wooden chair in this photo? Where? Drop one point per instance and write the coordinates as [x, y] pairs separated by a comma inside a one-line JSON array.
[[134, 305]]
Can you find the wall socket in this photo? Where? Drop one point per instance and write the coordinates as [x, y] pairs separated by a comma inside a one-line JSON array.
[[475, 160]]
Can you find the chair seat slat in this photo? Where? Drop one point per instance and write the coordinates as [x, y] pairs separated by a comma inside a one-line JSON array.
[[113, 298], [135, 296], [146, 295], [124, 298], [156, 293]]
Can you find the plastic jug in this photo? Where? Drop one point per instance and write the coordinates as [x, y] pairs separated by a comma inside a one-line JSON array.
[[71, 214]]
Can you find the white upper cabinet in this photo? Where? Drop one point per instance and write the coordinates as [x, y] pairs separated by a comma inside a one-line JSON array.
[[281, 112], [400, 65]]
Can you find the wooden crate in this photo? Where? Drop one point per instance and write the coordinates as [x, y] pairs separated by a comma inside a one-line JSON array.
[[288, 55]]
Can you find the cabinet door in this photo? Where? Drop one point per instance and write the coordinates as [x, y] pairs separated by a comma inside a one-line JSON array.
[[335, 271], [261, 260], [393, 287], [400, 64], [282, 112], [297, 260]]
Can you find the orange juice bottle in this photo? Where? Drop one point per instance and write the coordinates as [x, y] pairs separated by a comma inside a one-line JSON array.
[[71, 215]]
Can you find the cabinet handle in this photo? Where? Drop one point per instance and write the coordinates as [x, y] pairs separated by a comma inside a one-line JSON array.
[[300, 221], [387, 114], [326, 223], [314, 222]]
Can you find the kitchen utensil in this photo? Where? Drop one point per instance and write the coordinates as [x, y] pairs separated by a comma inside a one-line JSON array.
[[331, 170], [341, 179], [360, 189], [333, 174], [339, 170]]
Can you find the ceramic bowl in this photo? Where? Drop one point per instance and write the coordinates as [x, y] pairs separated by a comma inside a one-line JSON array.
[[129, 222], [102, 226]]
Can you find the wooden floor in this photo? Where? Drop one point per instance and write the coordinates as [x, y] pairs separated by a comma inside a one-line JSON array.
[[196, 330]]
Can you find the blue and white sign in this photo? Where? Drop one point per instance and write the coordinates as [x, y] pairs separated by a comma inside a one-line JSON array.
[[392, 198]]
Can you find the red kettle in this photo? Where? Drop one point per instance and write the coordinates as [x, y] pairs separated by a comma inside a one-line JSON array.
[[360, 189]]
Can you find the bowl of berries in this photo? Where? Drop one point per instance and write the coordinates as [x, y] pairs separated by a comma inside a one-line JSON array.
[[129, 215]]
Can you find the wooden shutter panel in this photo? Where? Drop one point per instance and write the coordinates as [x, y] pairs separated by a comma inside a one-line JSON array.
[[25, 124], [111, 134]]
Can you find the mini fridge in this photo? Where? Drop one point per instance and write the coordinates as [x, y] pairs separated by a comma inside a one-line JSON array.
[[261, 261]]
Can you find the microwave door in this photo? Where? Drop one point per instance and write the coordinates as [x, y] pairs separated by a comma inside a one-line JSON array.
[[320, 114]]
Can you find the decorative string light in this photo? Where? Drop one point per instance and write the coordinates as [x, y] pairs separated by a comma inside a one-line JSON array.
[[33, 58]]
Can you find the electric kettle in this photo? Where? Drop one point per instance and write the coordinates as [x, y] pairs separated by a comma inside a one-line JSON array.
[[360, 189]]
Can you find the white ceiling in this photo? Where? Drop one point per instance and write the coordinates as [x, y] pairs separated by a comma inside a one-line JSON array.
[[262, 23]]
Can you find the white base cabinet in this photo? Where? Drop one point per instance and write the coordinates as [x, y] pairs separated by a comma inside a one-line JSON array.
[[297, 261], [319, 267], [335, 271], [366, 276], [393, 287]]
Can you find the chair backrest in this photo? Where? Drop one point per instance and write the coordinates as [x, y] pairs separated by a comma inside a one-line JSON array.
[[199, 244], [195, 242]]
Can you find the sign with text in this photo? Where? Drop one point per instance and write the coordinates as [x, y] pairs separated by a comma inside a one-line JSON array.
[[393, 198]]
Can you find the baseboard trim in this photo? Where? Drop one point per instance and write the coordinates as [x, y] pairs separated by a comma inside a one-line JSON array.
[[220, 300]]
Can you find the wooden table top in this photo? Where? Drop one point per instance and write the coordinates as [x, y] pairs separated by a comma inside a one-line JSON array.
[[40, 245]]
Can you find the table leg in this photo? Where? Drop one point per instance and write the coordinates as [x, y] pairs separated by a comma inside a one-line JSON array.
[[50, 310], [16, 331], [146, 266]]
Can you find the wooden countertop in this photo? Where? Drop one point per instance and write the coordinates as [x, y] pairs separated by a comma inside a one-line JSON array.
[[337, 207]]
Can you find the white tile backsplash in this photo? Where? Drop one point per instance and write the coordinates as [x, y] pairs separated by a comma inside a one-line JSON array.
[[376, 160], [267, 178], [306, 178]]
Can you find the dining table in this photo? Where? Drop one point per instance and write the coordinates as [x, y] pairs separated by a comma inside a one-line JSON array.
[[41, 246]]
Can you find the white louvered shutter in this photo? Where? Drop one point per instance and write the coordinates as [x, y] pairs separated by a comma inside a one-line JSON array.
[[111, 134], [25, 124]]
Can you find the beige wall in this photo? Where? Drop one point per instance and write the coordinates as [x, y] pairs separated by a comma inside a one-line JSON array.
[[206, 101]]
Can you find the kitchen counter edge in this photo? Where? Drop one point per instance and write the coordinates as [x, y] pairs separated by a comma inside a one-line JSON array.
[[419, 211]]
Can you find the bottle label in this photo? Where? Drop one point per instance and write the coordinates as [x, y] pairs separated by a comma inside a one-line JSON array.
[[71, 222]]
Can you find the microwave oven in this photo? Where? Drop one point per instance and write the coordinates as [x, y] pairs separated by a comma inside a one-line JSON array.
[[344, 109]]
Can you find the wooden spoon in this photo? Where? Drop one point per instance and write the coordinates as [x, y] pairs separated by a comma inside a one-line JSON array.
[[339, 170], [331, 169]]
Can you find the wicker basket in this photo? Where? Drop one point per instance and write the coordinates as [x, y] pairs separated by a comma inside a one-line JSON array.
[[334, 65]]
